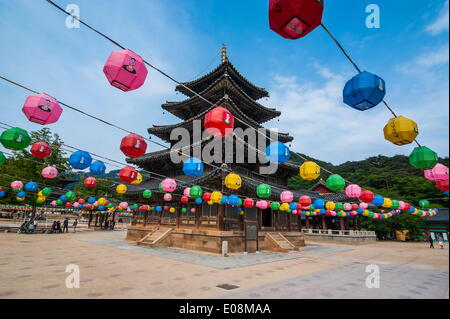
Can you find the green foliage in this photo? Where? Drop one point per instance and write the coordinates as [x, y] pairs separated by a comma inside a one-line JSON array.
[[403, 221]]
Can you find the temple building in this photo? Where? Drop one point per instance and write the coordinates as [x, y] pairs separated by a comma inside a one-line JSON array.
[[205, 227]]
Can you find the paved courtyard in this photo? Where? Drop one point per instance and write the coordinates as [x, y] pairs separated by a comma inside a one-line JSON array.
[[33, 266]]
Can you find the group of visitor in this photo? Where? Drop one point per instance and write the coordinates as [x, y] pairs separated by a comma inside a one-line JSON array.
[[56, 227], [440, 240]]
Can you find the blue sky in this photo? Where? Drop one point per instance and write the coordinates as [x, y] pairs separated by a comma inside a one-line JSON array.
[[183, 37]]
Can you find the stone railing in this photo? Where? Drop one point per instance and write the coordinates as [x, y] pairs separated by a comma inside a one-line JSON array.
[[350, 233]]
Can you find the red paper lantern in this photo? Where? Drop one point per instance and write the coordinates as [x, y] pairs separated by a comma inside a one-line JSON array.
[[293, 19], [184, 199], [206, 197], [355, 206], [442, 185], [128, 174], [90, 182], [41, 150], [81, 201], [68, 204], [407, 206], [367, 196], [133, 145], [248, 203], [304, 201], [219, 122]]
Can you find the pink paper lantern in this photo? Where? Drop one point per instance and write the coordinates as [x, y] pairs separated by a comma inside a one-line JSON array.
[[167, 197], [95, 204], [294, 212], [286, 197], [437, 173], [187, 192], [348, 206], [401, 205], [333, 213], [262, 204], [76, 204], [53, 203], [49, 172], [363, 205], [125, 70], [169, 185], [123, 205], [42, 109], [17, 185], [192, 210], [353, 191]]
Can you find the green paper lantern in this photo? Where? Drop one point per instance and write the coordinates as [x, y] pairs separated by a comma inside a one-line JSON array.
[[47, 191], [395, 204], [423, 157], [263, 191], [110, 205], [339, 206], [15, 139], [70, 196], [160, 188], [2, 158], [424, 203], [196, 192], [239, 202], [335, 182], [183, 210], [274, 205], [135, 206], [59, 202], [147, 194]]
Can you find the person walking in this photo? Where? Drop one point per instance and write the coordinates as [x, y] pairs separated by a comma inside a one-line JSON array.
[[54, 227], [441, 242], [66, 225], [430, 239], [58, 226], [75, 223]]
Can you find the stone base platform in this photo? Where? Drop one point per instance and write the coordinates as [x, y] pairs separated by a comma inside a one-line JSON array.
[[351, 237], [211, 240]]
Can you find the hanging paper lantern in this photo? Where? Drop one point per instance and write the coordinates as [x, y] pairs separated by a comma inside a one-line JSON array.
[[31, 187], [169, 185], [442, 185], [309, 171], [275, 205], [277, 153], [125, 70], [233, 200], [49, 172], [305, 201], [167, 197], [378, 200], [319, 203], [15, 139], [80, 160], [193, 167], [184, 199], [263, 191], [363, 205], [339, 206], [335, 182], [395, 204], [233, 181], [90, 182], [2, 158], [138, 179], [364, 91], [206, 196], [367, 196], [248, 203], [47, 191], [387, 203], [70, 195], [187, 192], [437, 173], [401, 130], [2, 194], [123, 205], [216, 197], [353, 191], [121, 189], [347, 206], [293, 19], [41, 150], [171, 210], [424, 203], [330, 205], [198, 201], [82, 201], [224, 200], [219, 122], [424, 158], [147, 194], [196, 192], [128, 174], [21, 194], [262, 204], [16, 185], [286, 196], [133, 145], [97, 168], [284, 207], [42, 109]]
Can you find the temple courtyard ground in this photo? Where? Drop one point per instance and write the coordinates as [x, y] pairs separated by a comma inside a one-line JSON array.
[[34, 266]]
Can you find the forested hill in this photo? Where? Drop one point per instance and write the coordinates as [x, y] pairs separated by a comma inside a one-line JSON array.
[[388, 176]]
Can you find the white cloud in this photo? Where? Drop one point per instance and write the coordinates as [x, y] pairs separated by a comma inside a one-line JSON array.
[[441, 23]]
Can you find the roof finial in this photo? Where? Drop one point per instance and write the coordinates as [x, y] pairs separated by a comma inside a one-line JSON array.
[[224, 53]]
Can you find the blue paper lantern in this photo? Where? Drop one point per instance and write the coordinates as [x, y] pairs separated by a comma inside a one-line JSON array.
[[80, 160], [278, 153], [364, 91], [360, 210], [198, 201], [224, 200], [101, 207], [233, 200], [62, 198], [91, 200], [378, 200], [2, 194], [158, 209], [97, 168], [21, 194], [80, 206], [412, 209], [381, 216], [31, 187], [303, 213], [446, 193], [293, 206], [193, 167], [239, 209], [319, 203]]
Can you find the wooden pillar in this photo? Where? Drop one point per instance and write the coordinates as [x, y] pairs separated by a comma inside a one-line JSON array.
[[96, 220], [220, 217], [307, 222], [324, 222], [314, 222], [90, 220], [145, 218], [289, 221], [346, 222], [341, 223], [178, 220], [277, 220], [299, 222], [259, 218], [241, 220], [198, 213]]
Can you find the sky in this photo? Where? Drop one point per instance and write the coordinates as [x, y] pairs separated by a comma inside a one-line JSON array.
[[304, 77]]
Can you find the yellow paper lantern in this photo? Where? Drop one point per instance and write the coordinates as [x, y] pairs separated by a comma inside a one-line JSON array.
[[171, 210], [20, 198], [330, 205], [42, 198], [366, 213], [284, 207], [121, 189], [233, 181], [138, 179], [210, 202], [307, 214], [40, 194], [387, 203], [216, 197], [401, 130], [101, 201], [309, 171]]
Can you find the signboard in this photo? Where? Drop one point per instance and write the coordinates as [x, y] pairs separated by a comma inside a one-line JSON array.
[[251, 232]]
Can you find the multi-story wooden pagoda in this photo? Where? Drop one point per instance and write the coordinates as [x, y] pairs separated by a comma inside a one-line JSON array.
[[207, 226]]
